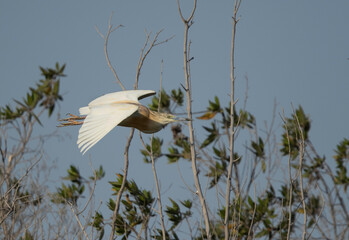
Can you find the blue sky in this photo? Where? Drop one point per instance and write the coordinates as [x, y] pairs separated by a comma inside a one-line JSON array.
[[292, 52]]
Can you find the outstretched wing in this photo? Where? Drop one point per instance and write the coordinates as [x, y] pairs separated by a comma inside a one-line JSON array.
[[106, 112], [130, 95], [101, 120]]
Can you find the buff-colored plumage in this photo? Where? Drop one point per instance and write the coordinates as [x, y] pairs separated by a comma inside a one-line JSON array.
[[119, 108]]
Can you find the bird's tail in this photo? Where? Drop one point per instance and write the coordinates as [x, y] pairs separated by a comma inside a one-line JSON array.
[[84, 110]]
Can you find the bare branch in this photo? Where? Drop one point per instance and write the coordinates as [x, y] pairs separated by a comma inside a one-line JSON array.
[[232, 128], [150, 153], [253, 215], [191, 14], [123, 184], [318, 218], [301, 155], [17, 184], [106, 38], [77, 219], [188, 88], [290, 178], [145, 51], [91, 193]]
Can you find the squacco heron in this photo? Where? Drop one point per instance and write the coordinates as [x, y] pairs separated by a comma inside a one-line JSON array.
[[117, 109]]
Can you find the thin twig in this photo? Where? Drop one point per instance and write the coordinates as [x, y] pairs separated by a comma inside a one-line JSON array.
[[92, 191], [123, 184], [121, 190], [187, 23], [253, 215], [331, 206], [150, 153], [106, 38], [232, 128], [161, 77], [290, 178], [301, 155], [25, 175], [318, 218], [145, 51], [182, 178], [77, 219]]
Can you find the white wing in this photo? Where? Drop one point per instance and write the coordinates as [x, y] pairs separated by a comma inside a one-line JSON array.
[[106, 112], [101, 120], [130, 95]]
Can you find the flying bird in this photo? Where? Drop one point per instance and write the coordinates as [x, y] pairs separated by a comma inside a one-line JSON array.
[[117, 109]]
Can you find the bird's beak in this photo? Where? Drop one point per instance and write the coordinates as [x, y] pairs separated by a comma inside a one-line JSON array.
[[182, 119]]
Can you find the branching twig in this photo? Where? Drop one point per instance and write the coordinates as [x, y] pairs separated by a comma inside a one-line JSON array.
[[24, 175], [106, 38], [150, 153], [301, 155], [121, 190], [290, 178], [253, 215], [187, 23], [123, 184], [318, 218], [232, 128], [145, 51], [78, 220], [91, 193]]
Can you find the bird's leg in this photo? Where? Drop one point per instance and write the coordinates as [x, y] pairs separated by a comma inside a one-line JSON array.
[[72, 120]]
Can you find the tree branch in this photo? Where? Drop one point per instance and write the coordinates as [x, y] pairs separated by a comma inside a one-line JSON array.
[[123, 184], [187, 24], [150, 153], [232, 128], [301, 155], [106, 38]]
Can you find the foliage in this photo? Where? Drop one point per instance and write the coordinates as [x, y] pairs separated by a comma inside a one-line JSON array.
[[280, 183], [45, 95], [272, 213], [155, 149], [22, 190], [341, 158], [74, 191], [168, 101], [296, 128]]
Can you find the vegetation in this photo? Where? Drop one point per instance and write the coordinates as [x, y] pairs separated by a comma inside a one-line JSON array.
[[301, 193]]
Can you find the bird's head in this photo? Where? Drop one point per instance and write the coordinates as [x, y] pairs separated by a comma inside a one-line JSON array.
[[166, 118]]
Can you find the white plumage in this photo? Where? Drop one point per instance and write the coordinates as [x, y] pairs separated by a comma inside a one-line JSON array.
[[106, 112]]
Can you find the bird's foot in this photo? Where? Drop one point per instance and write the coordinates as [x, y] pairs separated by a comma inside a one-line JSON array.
[[72, 120]]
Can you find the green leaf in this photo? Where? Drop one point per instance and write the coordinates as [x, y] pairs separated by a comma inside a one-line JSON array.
[[214, 134], [174, 214], [262, 233], [187, 203], [165, 102], [98, 174], [173, 155], [258, 148], [177, 96], [155, 149], [296, 128]]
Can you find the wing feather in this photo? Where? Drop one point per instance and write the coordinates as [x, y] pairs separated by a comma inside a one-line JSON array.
[[101, 119], [130, 95], [91, 143]]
